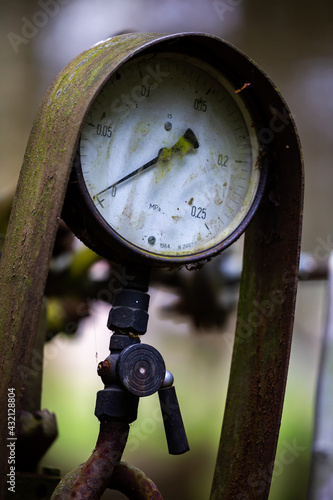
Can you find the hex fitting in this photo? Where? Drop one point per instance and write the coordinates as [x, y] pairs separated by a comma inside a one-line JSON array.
[[129, 312], [114, 403]]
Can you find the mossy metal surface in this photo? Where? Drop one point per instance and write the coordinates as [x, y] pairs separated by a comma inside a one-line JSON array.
[[37, 207], [262, 345]]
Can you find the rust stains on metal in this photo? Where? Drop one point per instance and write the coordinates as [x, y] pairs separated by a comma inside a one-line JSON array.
[[266, 308], [91, 479], [38, 203], [104, 470], [133, 483], [103, 368]]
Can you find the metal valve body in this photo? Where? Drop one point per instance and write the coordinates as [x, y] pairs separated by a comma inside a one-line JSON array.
[[134, 370]]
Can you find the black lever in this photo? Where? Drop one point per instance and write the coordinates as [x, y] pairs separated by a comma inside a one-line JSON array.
[[173, 422], [141, 370]]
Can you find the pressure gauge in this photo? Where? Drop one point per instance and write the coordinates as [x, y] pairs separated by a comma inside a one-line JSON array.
[[168, 167]]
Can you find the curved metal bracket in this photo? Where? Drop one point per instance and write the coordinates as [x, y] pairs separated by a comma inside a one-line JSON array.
[[265, 312], [37, 208], [266, 309]]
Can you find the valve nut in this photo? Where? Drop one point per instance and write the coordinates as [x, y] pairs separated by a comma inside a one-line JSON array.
[[129, 312], [128, 319], [131, 298], [114, 403], [118, 342]]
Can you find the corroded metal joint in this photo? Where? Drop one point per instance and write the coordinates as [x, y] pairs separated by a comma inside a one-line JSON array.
[[114, 402], [107, 370], [103, 369]]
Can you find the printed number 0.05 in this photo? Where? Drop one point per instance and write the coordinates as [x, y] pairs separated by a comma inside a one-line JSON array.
[[104, 130]]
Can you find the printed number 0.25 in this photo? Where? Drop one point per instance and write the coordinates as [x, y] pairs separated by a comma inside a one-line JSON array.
[[198, 212]]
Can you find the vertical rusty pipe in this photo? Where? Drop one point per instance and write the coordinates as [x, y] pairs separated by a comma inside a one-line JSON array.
[[264, 328]]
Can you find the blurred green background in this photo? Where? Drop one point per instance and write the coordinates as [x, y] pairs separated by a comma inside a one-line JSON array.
[[292, 41]]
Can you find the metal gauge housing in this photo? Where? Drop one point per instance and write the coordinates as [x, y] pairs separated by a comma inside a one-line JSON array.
[[168, 168]]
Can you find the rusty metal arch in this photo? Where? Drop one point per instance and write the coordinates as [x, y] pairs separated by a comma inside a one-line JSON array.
[[37, 208], [262, 345], [265, 316]]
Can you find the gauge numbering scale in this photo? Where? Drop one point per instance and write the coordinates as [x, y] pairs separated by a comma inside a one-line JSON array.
[[167, 169]]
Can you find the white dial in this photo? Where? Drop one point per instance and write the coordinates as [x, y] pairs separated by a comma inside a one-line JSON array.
[[168, 155]]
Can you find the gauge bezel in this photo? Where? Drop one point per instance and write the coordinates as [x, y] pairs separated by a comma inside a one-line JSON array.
[[81, 214]]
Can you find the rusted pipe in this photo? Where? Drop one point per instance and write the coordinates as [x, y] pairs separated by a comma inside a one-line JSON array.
[[90, 480], [133, 483], [104, 470]]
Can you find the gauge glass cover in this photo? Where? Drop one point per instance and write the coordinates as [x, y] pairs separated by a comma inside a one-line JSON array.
[[184, 138]]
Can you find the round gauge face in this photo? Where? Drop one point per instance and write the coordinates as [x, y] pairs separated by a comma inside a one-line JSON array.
[[169, 156]]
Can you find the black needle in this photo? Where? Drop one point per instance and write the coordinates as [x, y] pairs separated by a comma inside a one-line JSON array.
[[184, 144]]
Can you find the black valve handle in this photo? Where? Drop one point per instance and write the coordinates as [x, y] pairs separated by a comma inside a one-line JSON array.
[[173, 422], [141, 369]]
